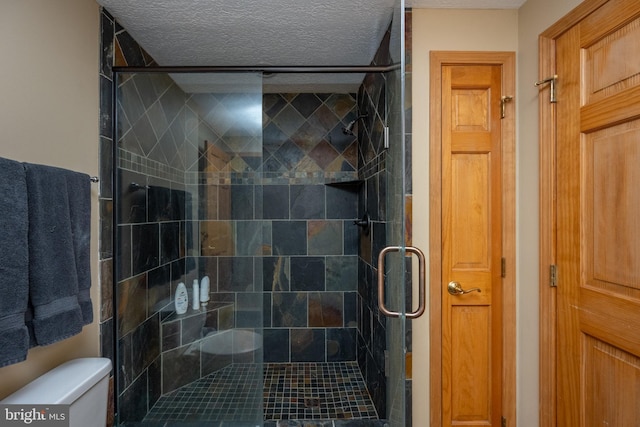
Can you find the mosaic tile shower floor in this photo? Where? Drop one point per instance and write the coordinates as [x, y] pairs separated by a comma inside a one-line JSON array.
[[292, 391]]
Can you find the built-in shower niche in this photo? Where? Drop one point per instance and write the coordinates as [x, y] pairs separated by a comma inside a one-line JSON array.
[[201, 342]]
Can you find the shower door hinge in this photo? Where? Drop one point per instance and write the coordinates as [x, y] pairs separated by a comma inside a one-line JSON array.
[[503, 422], [386, 137], [503, 267], [553, 276]]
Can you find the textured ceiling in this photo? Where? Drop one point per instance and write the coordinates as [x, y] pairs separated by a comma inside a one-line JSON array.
[[465, 4], [281, 32]]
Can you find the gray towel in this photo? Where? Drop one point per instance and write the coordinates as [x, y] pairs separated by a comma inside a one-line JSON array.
[[14, 258], [79, 190], [58, 276]]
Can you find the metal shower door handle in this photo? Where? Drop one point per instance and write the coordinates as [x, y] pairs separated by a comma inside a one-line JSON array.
[[421, 282]]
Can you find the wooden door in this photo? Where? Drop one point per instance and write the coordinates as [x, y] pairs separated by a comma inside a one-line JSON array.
[[472, 185], [471, 245], [597, 219]]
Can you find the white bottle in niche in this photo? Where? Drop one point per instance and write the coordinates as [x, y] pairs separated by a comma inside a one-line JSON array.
[[181, 299], [204, 290], [196, 296]]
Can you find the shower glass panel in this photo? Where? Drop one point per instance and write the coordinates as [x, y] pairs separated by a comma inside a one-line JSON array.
[[189, 210], [397, 267]]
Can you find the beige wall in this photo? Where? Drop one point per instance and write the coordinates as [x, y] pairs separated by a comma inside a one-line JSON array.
[[534, 17], [442, 29], [49, 115], [494, 30]]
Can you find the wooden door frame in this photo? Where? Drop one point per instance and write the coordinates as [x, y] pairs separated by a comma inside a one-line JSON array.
[[507, 60], [547, 198]]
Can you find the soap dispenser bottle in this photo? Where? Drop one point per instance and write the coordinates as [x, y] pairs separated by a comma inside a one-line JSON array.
[[181, 299]]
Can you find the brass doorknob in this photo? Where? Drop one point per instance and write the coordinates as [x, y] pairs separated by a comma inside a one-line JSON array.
[[455, 288]]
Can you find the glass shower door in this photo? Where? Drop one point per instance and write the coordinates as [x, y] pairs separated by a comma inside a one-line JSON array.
[[398, 258], [188, 216]]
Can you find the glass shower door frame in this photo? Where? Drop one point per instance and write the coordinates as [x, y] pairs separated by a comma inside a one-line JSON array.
[[394, 262]]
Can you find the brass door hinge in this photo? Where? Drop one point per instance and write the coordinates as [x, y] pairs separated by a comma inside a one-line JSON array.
[[503, 267], [504, 422], [553, 276]]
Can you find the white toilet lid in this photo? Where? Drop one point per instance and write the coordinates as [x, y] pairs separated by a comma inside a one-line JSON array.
[[63, 384]]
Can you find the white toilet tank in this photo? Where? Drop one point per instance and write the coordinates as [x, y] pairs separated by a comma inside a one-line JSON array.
[[81, 383]]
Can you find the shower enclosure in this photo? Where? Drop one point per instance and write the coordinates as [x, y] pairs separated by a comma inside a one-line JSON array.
[[272, 215]]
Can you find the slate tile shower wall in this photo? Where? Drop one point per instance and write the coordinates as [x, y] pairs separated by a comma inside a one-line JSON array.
[[379, 99], [107, 346], [152, 230], [310, 263], [372, 340], [118, 48], [271, 232]]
